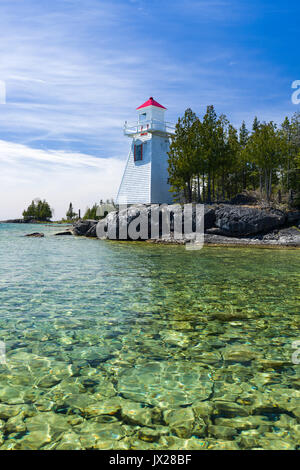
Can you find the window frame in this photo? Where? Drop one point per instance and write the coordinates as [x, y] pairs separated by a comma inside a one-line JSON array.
[[135, 152]]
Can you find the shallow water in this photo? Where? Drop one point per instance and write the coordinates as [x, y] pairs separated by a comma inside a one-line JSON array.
[[115, 345]]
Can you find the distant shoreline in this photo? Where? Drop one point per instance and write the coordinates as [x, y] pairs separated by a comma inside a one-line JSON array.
[[225, 225], [35, 222]]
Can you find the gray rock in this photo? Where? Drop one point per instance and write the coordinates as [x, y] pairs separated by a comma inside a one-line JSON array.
[[229, 409], [293, 217], [67, 232], [35, 235], [209, 217], [221, 432], [92, 232], [289, 236], [135, 413], [123, 218], [83, 226], [238, 221], [180, 421], [223, 224]]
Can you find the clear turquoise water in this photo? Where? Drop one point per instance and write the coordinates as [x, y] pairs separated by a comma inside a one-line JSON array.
[[133, 345]]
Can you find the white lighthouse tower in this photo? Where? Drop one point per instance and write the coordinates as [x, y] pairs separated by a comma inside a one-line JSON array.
[[145, 178]]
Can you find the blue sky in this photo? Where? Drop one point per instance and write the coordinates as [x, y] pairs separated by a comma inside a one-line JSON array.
[[75, 70]]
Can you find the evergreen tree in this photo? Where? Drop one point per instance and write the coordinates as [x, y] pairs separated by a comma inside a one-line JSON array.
[[91, 213], [38, 210], [30, 212], [70, 213], [209, 158], [182, 155], [265, 150]]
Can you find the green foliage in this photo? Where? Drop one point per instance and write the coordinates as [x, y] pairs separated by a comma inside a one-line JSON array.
[[70, 213], [209, 160], [91, 213], [38, 210], [265, 150], [182, 154]]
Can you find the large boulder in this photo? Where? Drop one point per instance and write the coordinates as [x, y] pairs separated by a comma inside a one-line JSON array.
[[118, 222], [92, 231], [237, 221], [209, 217], [83, 226], [153, 227], [293, 218]]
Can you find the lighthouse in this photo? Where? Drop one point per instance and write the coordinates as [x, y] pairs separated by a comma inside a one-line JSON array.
[[145, 178]]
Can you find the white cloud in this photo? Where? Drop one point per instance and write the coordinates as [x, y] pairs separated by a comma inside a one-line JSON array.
[[58, 176], [75, 71]]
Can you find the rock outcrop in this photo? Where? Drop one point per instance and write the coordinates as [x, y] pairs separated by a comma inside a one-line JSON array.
[[239, 221], [224, 224], [82, 227]]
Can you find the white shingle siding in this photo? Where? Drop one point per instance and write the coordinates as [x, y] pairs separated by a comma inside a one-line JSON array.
[[159, 178], [135, 184], [146, 181]]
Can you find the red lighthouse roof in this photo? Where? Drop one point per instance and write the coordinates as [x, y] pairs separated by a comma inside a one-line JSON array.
[[151, 102]]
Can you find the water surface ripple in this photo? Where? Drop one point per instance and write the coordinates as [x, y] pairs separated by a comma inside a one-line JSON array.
[[115, 345]]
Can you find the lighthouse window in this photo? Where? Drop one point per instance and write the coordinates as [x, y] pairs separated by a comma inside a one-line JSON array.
[[138, 152], [143, 116]]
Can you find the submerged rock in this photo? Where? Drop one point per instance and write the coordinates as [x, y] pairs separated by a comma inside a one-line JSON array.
[[156, 383], [223, 445], [181, 421], [101, 431], [34, 440], [241, 423], [35, 235], [8, 411], [135, 413], [69, 441], [239, 354], [221, 432], [230, 409], [15, 424], [152, 434], [276, 444], [203, 410]]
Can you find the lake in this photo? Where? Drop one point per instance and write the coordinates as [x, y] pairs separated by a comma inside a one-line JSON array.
[[130, 345]]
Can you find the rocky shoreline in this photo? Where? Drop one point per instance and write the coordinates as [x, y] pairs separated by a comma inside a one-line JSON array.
[[224, 225]]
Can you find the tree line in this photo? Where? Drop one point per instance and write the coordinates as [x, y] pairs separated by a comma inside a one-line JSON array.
[[38, 210], [210, 160]]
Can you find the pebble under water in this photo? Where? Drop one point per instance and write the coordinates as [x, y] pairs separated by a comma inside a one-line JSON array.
[[117, 345]]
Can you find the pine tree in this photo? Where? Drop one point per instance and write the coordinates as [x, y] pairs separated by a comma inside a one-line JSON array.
[[38, 210], [70, 213], [182, 155]]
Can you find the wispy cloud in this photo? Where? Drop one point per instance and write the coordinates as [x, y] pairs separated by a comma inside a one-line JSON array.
[[74, 71], [58, 176]]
